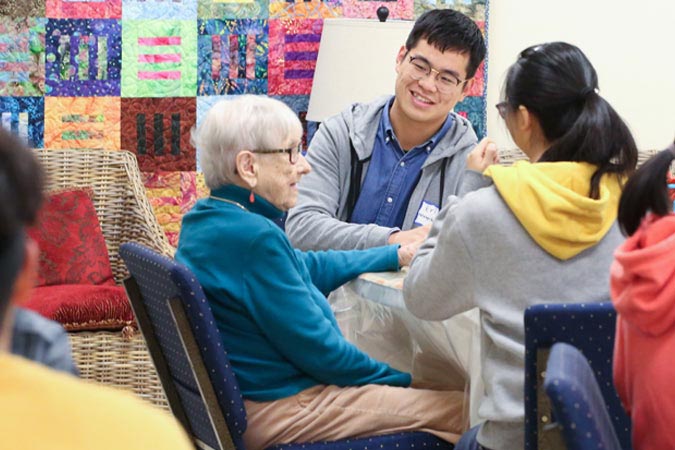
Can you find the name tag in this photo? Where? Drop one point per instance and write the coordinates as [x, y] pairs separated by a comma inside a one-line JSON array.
[[426, 214]]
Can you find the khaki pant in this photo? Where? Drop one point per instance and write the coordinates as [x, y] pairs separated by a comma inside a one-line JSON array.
[[331, 413]]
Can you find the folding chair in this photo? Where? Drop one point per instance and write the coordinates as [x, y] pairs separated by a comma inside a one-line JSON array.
[[577, 402], [589, 327], [185, 345]]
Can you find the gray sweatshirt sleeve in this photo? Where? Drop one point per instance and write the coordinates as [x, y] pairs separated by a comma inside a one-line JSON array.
[[314, 223], [473, 181], [440, 282]]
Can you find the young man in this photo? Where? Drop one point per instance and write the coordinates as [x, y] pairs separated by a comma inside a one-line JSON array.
[[42, 408], [386, 166]]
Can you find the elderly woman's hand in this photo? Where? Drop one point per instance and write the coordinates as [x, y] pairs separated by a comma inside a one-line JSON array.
[[407, 252], [484, 154]]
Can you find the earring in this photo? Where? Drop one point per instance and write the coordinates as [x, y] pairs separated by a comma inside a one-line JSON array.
[[251, 198]]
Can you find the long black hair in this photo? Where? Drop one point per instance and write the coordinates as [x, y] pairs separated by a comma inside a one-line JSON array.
[[646, 191], [558, 84]]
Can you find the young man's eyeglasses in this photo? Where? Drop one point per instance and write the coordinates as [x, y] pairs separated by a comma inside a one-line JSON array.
[[293, 152], [446, 82], [502, 108]]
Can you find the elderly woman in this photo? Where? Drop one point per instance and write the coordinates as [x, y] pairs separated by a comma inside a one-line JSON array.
[[300, 379]]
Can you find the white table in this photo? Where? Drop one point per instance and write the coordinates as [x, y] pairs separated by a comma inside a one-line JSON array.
[[372, 315]]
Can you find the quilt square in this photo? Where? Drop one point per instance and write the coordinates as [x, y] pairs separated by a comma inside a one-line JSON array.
[[24, 117], [367, 9], [299, 104], [294, 46], [478, 87], [473, 108], [159, 58], [233, 9], [157, 130], [83, 57], [84, 9], [165, 196], [22, 56], [232, 57], [204, 103], [305, 9], [82, 122], [172, 194], [472, 8], [159, 9], [22, 8]]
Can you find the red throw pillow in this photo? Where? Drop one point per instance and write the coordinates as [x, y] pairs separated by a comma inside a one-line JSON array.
[[72, 247], [83, 306]]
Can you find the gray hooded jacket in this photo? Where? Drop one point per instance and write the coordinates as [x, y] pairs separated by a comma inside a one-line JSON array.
[[319, 220]]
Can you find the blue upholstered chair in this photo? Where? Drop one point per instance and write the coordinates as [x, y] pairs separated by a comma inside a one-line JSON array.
[[185, 345], [590, 328], [576, 400]]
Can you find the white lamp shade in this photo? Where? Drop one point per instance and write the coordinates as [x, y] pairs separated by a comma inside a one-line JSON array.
[[356, 63]]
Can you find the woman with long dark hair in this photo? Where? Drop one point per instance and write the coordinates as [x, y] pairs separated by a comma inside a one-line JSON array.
[[643, 292], [544, 231]]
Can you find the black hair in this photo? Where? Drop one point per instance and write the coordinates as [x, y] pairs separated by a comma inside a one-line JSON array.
[[21, 185], [447, 29], [558, 84], [646, 191]]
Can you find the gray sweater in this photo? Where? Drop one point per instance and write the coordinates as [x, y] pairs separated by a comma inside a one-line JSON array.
[[479, 255], [319, 221]]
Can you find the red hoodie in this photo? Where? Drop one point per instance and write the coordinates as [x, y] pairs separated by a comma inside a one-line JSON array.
[[643, 292]]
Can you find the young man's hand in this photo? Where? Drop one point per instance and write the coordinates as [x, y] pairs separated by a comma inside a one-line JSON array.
[[406, 237]]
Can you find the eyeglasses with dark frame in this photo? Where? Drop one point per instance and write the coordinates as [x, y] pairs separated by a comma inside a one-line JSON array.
[[446, 82], [293, 152], [502, 109]]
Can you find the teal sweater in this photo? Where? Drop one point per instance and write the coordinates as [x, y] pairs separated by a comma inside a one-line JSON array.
[[269, 300]]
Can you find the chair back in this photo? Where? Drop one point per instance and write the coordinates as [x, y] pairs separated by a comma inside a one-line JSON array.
[[577, 402], [589, 327], [186, 347], [120, 199]]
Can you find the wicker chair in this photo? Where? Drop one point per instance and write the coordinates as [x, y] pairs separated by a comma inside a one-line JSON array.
[[117, 358]]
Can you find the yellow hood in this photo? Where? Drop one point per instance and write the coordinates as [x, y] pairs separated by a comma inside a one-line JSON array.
[[551, 202]]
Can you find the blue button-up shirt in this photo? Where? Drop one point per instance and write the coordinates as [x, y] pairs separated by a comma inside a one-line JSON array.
[[392, 175]]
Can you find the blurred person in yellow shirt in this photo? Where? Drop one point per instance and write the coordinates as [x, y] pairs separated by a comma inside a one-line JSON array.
[[39, 407]]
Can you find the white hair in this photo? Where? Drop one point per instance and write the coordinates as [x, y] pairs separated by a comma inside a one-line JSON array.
[[246, 122]]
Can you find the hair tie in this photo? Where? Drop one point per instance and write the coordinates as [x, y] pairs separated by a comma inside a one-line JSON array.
[[587, 92]]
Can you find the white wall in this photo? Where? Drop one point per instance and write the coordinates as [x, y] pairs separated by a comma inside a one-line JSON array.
[[630, 43]]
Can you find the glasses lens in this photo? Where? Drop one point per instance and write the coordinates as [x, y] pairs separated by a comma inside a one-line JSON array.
[[501, 109], [294, 154], [447, 83], [419, 67]]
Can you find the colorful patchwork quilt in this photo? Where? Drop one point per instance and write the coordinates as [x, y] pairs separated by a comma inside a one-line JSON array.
[[139, 74]]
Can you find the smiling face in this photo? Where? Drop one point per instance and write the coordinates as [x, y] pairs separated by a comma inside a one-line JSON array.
[[419, 101], [277, 178]]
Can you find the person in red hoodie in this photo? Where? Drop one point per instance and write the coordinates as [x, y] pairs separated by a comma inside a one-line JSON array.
[[643, 293]]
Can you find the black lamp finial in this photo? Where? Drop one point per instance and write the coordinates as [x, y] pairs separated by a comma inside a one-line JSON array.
[[382, 13]]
